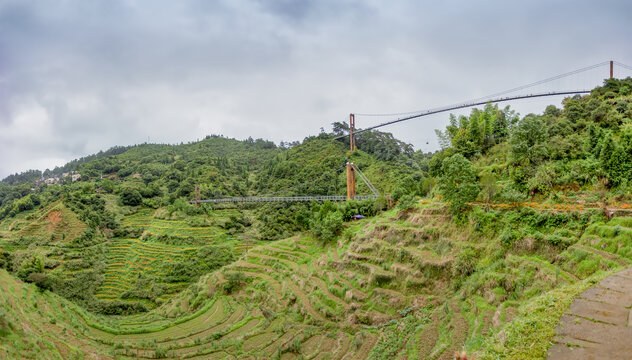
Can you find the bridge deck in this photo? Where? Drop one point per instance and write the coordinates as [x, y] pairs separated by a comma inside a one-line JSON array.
[[282, 199]]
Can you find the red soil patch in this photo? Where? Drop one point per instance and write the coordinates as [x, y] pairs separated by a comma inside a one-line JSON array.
[[53, 218]]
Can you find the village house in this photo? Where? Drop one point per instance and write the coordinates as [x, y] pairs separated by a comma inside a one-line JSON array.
[[52, 180]]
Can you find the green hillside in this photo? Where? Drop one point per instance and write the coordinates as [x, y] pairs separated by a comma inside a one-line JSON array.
[[488, 242]]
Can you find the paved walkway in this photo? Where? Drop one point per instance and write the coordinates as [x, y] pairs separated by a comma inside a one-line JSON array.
[[597, 325]]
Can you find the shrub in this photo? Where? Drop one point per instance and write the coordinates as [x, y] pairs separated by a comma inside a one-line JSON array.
[[555, 239], [483, 220], [33, 264], [406, 202], [41, 280], [326, 221], [587, 267], [233, 282], [130, 197], [328, 227], [509, 237], [465, 262], [458, 183], [511, 194], [5, 325]]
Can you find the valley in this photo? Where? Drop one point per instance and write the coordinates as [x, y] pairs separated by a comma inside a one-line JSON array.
[[480, 247]]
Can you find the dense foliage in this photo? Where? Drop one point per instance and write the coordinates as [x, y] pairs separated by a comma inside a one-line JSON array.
[[587, 143], [493, 155]]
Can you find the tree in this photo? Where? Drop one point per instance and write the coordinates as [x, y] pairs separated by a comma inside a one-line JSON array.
[[131, 197], [477, 133], [527, 148], [107, 185], [528, 141], [458, 183], [593, 138], [410, 185], [33, 264], [326, 221]]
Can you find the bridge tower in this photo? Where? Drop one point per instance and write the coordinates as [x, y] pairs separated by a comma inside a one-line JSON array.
[[351, 186], [351, 129], [611, 69]]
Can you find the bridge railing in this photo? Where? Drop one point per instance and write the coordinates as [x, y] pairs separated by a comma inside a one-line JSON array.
[[283, 199]]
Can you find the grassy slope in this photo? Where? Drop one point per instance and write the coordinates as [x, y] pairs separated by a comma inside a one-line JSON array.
[[386, 289]]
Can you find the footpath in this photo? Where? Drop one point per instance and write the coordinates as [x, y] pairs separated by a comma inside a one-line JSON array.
[[597, 325]]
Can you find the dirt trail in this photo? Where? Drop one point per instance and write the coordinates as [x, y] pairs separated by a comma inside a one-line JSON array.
[[597, 324]]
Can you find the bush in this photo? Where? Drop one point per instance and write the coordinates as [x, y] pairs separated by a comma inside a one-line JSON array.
[[555, 239], [5, 325], [130, 197], [458, 183], [509, 237], [465, 262], [5, 260], [406, 202], [207, 259], [483, 220], [511, 194], [587, 267], [328, 227], [233, 282], [33, 264], [41, 280]]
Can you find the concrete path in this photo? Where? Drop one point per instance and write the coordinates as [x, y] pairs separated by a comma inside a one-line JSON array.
[[597, 325]]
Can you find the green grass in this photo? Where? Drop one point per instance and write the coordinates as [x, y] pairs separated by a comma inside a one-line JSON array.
[[529, 335], [394, 284]]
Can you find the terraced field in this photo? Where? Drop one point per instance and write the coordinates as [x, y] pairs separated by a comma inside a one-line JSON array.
[[131, 258], [384, 290], [299, 297], [144, 219], [54, 222]]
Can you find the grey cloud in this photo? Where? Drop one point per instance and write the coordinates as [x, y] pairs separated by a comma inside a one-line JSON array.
[[93, 74]]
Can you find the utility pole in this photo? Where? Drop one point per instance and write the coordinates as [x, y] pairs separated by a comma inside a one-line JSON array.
[[351, 188], [351, 128], [611, 69]]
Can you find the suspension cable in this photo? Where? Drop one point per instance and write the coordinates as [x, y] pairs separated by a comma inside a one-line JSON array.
[[522, 87], [461, 106], [623, 65]]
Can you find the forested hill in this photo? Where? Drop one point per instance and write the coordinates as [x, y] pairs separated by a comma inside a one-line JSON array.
[[586, 143], [222, 167]]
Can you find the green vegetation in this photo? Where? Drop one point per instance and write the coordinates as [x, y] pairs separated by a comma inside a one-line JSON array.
[[481, 247]]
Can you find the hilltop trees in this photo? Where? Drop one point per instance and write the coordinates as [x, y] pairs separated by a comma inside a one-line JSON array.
[[476, 134], [586, 143]]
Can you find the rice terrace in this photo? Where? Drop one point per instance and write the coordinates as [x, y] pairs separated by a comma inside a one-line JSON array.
[[189, 227]]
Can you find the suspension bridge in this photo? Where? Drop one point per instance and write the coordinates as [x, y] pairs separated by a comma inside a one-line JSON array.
[[352, 170]]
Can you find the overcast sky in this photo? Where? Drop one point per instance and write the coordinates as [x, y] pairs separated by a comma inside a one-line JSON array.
[[81, 76]]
